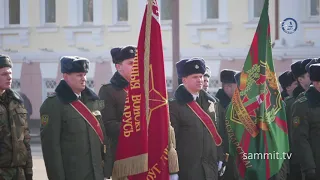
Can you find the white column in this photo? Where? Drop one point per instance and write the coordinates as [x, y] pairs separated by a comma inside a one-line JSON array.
[[142, 6], [2, 14], [196, 14], [72, 12], [292, 8], [115, 11], [42, 6], [24, 13], [97, 12], [223, 10]]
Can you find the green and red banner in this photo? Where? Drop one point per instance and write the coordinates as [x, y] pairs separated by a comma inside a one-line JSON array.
[[256, 119], [142, 151]]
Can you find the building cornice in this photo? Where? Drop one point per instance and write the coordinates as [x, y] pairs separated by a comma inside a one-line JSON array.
[[225, 54]]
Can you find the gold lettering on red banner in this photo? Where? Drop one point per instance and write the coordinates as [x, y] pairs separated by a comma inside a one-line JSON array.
[[136, 111], [154, 170], [135, 79], [127, 119], [129, 124]]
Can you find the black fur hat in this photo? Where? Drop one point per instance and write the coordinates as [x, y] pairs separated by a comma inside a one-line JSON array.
[[179, 66], [314, 72], [71, 64], [5, 61], [299, 68], [286, 79], [313, 61], [120, 54], [208, 72], [193, 66], [227, 76]]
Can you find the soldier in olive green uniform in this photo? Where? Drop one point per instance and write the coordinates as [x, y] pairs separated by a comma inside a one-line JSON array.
[[224, 95], [15, 152], [299, 72], [288, 84], [306, 113], [73, 138], [197, 151], [229, 85], [114, 96]]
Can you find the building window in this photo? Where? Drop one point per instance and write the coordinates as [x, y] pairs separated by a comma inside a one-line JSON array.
[[122, 10], [257, 8], [87, 11], [14, 11], [212, 9], [90, 84], [16, 85], [169, 83], [214, 85], [50, 85], [314, 8], [50, 11], [165, 9]]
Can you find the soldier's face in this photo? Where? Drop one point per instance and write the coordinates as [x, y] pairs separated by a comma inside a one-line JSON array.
[[193, 82], [205, 83], [292, 87], [76, 81], [305, 80], [5, 78], [125, 67], [316, 85], [229, 88]]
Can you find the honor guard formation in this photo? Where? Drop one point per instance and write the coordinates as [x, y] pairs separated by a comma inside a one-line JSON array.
[[258, 126]]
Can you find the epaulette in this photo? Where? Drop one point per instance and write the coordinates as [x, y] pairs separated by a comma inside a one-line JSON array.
[[106, 85], [287, 98], [302, 99], [51, 95]]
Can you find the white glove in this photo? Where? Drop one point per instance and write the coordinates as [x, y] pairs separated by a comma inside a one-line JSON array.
[[174, 177], [220, 163], [222, 171], [221, 168]]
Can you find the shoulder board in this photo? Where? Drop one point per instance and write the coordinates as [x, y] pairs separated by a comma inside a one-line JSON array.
[[302, 99], [106, 85], [288, 98], [51, 95]]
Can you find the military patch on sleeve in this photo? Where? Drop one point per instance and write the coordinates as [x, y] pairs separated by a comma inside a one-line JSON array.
[[44, 120], [296, 121]]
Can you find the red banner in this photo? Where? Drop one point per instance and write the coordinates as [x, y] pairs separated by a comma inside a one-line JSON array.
[[142, 151]]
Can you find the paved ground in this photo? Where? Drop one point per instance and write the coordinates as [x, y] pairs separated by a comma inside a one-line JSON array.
[[39, 170]]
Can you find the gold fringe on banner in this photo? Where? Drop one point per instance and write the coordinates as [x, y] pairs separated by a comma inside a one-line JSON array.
[[147, 57], [130, 166]]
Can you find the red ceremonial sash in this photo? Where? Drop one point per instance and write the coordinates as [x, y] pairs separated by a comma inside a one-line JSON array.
[[89, 117], [206, 120]]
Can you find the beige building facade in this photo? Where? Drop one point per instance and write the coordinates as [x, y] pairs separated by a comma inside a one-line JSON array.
[[36, 33]]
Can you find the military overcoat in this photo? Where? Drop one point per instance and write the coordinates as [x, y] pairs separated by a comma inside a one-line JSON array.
[[71, 148], [197, 152]]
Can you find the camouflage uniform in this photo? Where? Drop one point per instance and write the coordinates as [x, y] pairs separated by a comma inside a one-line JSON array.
[[15, 152]]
